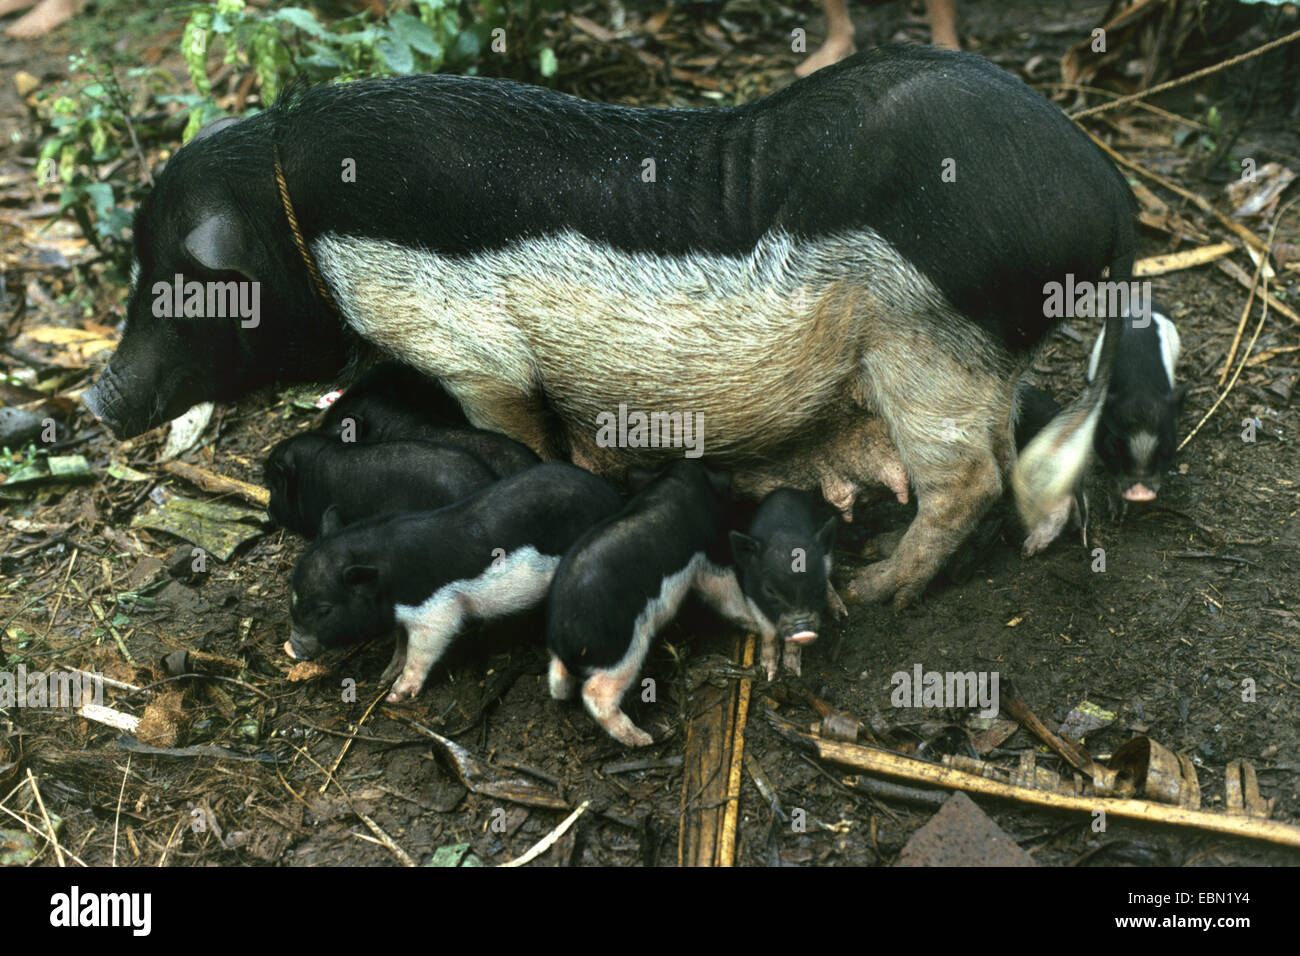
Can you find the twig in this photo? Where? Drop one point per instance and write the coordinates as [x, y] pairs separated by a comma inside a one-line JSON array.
[[548, 841], [1211, 556], [1241, 324], [99, 613], [1242, 278], [36, 791], [1190, 77], [117, 817], [3, 809], [1200, 202], [384, 838], [329, 774], [1258, 328], [219, 484]]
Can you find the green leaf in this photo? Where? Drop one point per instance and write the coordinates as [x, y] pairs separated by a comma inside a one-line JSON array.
[[301, 19], [415, 34], [101, 196], [547, 64], [397, 55]]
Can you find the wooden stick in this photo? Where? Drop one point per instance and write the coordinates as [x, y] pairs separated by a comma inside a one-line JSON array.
[[731, 814], [548, 841], [219, 484], [1187, 259], [1200, 202], [1241, 325], [1242, 278], [58, 850], [870, 759]]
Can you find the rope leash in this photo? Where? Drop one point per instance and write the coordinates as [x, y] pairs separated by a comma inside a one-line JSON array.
[[321, 289]]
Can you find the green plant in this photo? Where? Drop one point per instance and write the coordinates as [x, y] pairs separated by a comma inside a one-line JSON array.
[[429, 36], [96, 148], [94, 152]]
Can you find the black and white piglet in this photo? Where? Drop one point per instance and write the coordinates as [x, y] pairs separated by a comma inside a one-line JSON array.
[[394, 402], [428, 574], [1135, 439], [308, 473], [628, 576], [1037, 408]]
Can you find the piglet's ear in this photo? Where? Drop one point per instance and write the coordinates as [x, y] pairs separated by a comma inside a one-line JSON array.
[[745, 548], [637, 478], [826, 535], [218, 244], [361, 576], [331, 521], [720, 481], [1179, 395]]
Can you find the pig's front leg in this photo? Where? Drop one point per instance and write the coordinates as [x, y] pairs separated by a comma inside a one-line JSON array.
[[720, 589], [430, 629]]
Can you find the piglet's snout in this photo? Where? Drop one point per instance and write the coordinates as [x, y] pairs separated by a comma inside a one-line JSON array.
[[1139, 492], [803, 631]]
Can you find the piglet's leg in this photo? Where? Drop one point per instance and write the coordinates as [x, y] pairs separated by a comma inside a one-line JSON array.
[[398, 660], [792, 660], [834, 602], [602, 694], [430, 629], [561, 682], [721, 591]]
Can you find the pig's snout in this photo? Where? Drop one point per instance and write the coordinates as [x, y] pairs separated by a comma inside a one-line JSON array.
[[104, 399], [801, 631], [1139, 492], [300, 646]]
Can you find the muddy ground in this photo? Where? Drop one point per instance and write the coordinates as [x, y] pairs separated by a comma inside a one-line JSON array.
[[1198, 594]]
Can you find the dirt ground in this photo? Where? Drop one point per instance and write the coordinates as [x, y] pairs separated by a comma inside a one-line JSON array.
[[1198, 595]]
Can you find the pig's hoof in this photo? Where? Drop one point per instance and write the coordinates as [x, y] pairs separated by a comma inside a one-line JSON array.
[[871, 584], [793, 660], [628, 733], [404, 689]]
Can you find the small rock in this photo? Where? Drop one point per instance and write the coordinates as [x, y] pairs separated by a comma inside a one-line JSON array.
[[185, 566], [961, 834], [18, 426]]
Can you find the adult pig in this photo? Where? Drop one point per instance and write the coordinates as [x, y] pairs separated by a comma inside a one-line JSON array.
[[868, 248]]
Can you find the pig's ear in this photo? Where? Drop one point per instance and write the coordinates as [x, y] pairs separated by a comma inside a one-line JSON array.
[[218, 244], [216, 126], [745, 548], [1179, 395], [362, 577], [331, 521], [719, 480], [826, 535]]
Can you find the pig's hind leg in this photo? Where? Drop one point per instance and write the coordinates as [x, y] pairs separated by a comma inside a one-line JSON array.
[[516, 583], [603, 690], [950, 424]]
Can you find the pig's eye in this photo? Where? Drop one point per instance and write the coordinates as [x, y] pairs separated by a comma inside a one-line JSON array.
[[323, 609], [769, 592]]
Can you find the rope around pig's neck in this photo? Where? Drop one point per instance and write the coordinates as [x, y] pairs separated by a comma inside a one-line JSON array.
[[321, 289]]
